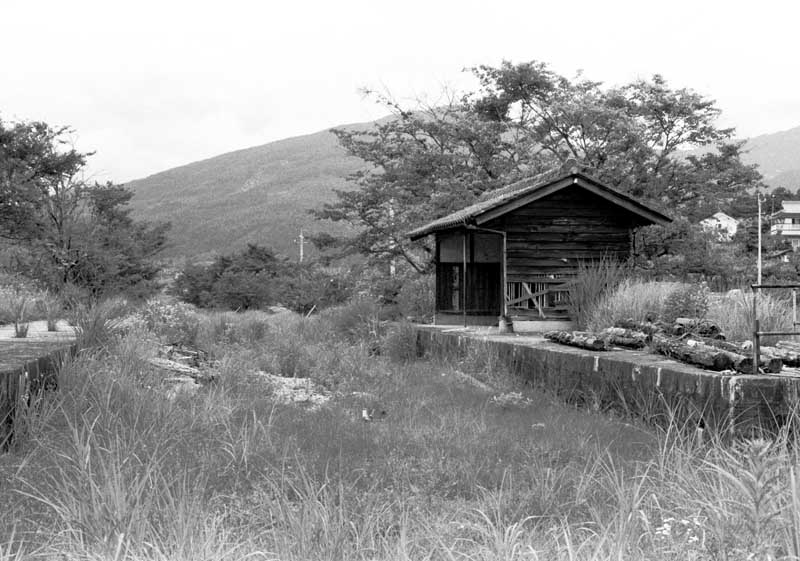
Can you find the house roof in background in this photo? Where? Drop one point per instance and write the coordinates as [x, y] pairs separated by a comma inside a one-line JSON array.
[[719, 216], [789, 208]]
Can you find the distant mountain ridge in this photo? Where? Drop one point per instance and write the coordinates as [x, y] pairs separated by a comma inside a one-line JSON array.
[[258, 195], [777, 156], [262, 194]]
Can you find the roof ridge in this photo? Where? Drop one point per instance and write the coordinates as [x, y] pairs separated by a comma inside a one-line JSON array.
[[554, 172], [522, 187]]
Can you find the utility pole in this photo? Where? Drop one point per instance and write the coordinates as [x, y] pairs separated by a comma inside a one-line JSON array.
[[392, 263], [301, 240], [758, 196]]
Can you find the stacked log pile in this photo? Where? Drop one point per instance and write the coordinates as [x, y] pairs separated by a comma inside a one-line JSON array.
[[689, 340]]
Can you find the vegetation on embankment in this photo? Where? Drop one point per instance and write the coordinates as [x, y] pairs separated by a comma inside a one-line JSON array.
[[111, 467]]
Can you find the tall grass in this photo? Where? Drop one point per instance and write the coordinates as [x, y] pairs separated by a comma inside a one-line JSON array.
[[632, 299], [593, 280], [734, 314], [115, 470], [97, 323], [52, 308]]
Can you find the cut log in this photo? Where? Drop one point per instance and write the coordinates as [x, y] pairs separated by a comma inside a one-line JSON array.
[[721, 344], [771, 360], [697, 355], [174, 366], [646, 327], [702, 327], [581, 339], [789, 345], [178, 369], [709, 357], [622, 337], [789, 357], [768, 364]]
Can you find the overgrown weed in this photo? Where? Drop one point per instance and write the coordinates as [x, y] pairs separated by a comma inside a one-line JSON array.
[[734, 314], [593, 280], [639, 301], [110, 468]]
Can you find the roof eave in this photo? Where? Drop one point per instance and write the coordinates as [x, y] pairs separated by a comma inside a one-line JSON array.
[[535, 192], [420, 233]]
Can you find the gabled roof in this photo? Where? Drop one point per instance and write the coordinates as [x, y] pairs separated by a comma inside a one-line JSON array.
[[719, 217], [526, 191]]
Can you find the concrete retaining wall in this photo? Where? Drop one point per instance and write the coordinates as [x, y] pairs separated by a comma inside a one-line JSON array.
[[22, 374], [635, 381]]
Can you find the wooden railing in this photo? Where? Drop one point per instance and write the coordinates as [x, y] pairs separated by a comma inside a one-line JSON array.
[[538, 294]]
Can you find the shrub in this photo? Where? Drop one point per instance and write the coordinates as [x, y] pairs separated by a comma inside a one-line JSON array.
[[243, 290], [73, 297], [357, 321], [214, 329], [686, 301], [416, 299], [239, 281], [400, 342], [256, 278], [249, 328], [286, 356], [633, 299], [304, 288], [173, 322], [594, 279]]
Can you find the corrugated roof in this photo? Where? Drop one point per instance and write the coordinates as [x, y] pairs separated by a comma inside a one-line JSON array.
[[520, 189]]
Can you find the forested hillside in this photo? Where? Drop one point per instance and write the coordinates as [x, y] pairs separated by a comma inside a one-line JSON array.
[[262, 194]]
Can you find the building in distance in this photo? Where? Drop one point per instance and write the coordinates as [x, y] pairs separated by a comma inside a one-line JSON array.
[[723, 225], [786, 223]]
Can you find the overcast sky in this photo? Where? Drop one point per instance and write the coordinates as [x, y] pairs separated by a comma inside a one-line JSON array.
[[150, 85]]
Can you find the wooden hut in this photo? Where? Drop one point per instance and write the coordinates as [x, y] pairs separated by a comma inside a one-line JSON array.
[[512, 253]]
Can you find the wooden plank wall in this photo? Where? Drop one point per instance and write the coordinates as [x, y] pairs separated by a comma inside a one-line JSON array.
[[551, 235]]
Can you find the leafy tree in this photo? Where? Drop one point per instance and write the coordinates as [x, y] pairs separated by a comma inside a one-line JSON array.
[[255, 278], [64, 229], [35, 174], [525, 119], [422, 163], [684, 251]]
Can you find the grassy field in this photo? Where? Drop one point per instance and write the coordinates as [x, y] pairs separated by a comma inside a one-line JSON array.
[[460, 460]]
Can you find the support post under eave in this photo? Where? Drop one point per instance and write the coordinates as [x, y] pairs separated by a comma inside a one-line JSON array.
[[464, 276], [504, 284]]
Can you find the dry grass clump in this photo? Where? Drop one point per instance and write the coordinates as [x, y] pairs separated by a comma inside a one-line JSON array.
[[734, 314], [22, 302], [97, 323], [653, 300], [52, 307], [632, 299], [593, 281]]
